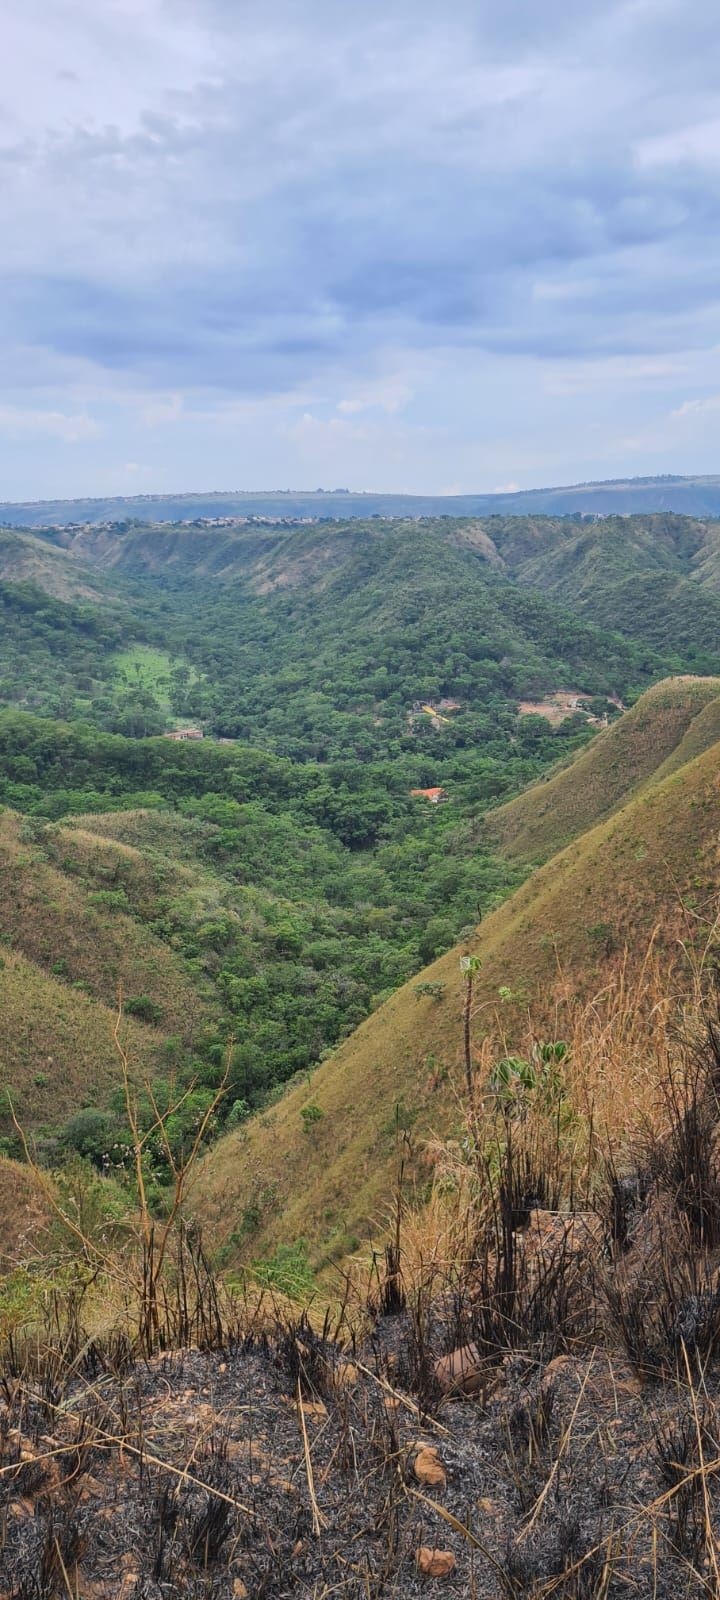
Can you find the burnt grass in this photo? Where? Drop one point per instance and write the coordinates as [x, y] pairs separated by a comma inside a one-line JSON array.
[[186, 1474], [231, 1450]]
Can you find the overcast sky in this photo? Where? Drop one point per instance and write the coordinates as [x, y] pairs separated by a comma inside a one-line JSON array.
[[402, 244]]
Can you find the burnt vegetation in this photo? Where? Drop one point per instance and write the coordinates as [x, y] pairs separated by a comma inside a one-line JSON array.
[[536, 1413]]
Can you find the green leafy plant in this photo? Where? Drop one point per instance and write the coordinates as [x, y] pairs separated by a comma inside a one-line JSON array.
[[311, 1115], [516, 1080], [432, 990]]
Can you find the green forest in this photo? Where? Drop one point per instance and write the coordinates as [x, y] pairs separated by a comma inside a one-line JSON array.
[[315, 662]]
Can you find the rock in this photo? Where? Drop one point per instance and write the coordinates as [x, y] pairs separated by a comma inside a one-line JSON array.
[[428, 1468], [21, 1509], [314, 1408], [345, 1375], [434, 1563], [460, 1372]]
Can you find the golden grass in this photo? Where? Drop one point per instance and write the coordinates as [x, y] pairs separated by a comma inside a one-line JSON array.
[[24, 1213], [623, 1044], [48, 916], [561, 959], [671, 723], [57, 1052]]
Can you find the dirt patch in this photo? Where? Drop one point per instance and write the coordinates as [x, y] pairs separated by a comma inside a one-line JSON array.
[[556, 708]]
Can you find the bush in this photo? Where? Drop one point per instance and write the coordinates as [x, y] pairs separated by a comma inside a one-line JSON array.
[[89, 1133], [288, 1271], [311, 1115], [144, 1007]]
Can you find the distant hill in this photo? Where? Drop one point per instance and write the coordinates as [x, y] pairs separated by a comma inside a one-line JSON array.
[[698, 497], [653, 864], [653, 577], [30, 560]]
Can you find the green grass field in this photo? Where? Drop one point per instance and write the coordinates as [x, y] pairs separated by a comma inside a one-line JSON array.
[[142, 666]]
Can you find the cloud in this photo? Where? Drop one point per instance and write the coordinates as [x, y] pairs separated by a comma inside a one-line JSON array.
[[696, 145], [17, 423], [501, 224], [389, 394], [694, 408]]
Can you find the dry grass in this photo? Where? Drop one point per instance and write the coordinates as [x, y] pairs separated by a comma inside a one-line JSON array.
[[57, 1045], [670, 724], [250, 1448], [48, 915], [630, 904]]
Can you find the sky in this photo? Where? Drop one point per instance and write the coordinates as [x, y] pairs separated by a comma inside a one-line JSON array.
[[396, 245]]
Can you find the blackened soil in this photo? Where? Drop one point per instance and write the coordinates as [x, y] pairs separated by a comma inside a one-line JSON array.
[[283, 1468]]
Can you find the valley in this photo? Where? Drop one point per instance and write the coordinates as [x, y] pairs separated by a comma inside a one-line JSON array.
[[274, 880], [358, 953]]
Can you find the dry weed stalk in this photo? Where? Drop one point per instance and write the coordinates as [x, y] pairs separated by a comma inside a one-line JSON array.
[[141, 1281]]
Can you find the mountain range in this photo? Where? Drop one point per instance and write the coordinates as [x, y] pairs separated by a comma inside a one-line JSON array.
[[691, 496]]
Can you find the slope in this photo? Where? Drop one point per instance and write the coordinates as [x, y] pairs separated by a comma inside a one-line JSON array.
[[327, 1177], [671, 722], [58, 1053], [653, 578], [24, 558], [66, 903], [79, 921]]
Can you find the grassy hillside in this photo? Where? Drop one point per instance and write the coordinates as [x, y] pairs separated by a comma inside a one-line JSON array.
[[66, 902], [58, 1054], [671, 723], [328, 1178], [26, 559], [80, 919]]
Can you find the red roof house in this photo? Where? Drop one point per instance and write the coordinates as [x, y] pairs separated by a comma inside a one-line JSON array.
[[435, 796]]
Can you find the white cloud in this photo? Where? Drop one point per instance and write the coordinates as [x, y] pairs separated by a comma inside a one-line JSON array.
[[697, 145], [694, 408], [386, 394], [17, 422]]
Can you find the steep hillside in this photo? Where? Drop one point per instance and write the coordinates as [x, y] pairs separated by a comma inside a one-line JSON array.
[[327, 1177], [27, 559], [78, 921], [57, 1053], [66, 903], [670, 723], [652, 578]]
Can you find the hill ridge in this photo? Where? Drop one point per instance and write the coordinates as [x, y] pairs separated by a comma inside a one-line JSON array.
[[651, 866]]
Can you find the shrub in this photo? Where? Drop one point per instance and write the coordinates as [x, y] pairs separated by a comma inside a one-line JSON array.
[[89, 1133], [311, 1115], [288, 1271], [144, 1007]]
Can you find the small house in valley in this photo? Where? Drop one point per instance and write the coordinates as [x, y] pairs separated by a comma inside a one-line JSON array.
[[434, 796]]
